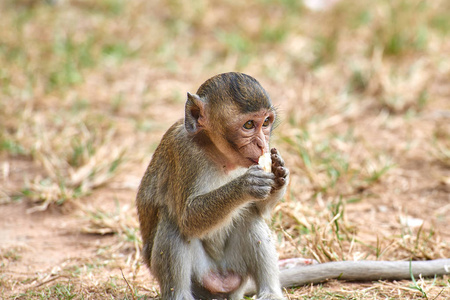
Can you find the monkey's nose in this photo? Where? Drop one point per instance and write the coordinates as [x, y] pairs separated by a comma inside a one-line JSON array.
[[261, 145]]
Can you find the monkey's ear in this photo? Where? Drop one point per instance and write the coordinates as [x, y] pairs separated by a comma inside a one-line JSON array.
[[194, 114]]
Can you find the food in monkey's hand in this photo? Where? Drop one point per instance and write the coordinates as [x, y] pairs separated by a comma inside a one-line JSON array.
[[265, 161]]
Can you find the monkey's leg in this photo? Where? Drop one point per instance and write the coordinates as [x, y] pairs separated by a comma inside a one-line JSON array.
[[171, 262], [251, 245]]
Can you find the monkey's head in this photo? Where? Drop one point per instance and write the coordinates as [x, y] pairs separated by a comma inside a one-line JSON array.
[[235, 113]]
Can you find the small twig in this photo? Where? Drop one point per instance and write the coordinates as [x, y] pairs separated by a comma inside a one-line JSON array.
[[50, 280], [290, 238], [286, 293], [439, 294], [129, 286], [408, 289]]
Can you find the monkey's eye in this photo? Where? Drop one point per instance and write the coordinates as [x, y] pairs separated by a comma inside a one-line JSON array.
[[249, 124], [266, 122]]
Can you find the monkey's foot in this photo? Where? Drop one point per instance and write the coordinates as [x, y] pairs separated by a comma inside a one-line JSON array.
[[290, 263], [270, 297]]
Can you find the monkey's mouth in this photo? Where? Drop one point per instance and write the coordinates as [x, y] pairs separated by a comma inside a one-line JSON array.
[[253, 161]]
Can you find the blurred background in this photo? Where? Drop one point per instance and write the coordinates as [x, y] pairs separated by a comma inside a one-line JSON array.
[[87, 88]]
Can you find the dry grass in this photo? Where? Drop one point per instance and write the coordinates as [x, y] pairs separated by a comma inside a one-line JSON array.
[[88, 87]]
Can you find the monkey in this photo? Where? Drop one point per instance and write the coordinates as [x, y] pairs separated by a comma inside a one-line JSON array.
[[203, 203]]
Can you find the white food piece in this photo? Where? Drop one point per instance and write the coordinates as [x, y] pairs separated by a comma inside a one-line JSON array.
[[265, 161]]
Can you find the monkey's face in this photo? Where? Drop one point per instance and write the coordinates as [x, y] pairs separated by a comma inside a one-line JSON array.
[[233, 117], [249, 136]]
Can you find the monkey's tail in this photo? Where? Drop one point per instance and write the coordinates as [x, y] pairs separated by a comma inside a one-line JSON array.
[[363, 271], [359, 271]]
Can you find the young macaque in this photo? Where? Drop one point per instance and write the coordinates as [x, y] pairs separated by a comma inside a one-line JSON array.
[[203, 200], [205, 196]]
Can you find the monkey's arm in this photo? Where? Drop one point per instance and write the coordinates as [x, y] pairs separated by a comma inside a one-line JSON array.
[[203, 213], [361, 271]]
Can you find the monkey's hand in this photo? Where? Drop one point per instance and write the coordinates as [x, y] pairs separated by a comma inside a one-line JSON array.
[[279, 170], [258, 183]]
